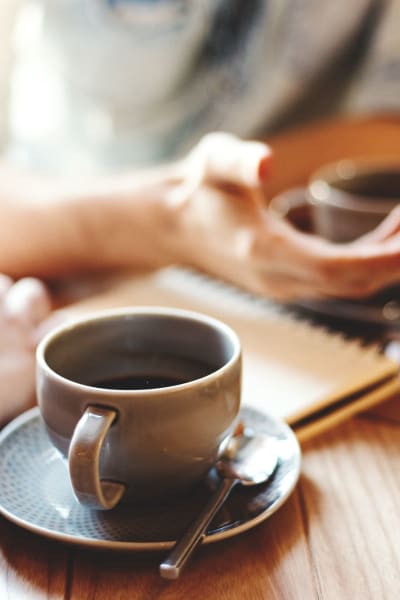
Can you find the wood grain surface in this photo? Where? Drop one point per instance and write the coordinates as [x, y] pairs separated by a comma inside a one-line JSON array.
[[336, 538]]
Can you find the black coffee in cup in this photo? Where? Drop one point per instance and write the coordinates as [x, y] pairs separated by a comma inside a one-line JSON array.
[[138, 382], [384, 184], [162, 372]]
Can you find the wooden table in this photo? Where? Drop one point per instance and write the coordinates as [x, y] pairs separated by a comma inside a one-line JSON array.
[[336, 538]]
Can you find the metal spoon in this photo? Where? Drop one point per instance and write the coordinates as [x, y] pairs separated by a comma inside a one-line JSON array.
[[251, 459]]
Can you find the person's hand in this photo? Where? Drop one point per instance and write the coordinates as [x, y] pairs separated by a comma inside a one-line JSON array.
[[225, 229], [23, 307]]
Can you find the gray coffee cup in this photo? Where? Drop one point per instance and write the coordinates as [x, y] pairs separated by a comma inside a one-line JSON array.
[[345, 199], [142, 401]]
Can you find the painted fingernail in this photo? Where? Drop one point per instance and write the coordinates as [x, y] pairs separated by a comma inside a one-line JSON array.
[[265, 167]]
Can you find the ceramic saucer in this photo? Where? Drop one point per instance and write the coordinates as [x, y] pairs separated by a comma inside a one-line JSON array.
[[36, 494]]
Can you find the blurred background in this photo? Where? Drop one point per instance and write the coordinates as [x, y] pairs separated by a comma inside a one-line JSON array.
[[88, 85]]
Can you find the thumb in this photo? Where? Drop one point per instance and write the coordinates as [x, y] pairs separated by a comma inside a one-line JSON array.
[[389, 227], [225, 157]]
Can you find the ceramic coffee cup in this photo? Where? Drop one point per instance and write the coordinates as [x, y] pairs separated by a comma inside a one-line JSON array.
[[141, 400], [345, 199]]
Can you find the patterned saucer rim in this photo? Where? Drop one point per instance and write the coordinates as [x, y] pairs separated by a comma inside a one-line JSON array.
[[231, 530]]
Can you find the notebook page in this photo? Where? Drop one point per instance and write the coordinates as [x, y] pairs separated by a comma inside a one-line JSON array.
[[290, 367]]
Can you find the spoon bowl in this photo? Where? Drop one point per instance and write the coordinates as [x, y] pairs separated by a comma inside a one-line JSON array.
[[250, 459]]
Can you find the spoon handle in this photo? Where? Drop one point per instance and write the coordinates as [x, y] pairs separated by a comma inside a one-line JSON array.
[[172, 566]]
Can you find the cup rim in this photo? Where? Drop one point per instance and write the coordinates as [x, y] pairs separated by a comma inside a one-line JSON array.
[[326, 174], [75, 322]]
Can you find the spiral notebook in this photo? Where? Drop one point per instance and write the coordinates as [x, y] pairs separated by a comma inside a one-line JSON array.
[[309, 376]]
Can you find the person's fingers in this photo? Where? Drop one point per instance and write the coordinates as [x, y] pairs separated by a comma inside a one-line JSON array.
[[389, 227], [54, 319], [27, 302], [287, 289], [392, 243], [225, 157], [234, 167], [311, 266], [5, 284]]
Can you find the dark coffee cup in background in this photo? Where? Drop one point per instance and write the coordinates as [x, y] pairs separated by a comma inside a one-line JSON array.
[[343, 200]]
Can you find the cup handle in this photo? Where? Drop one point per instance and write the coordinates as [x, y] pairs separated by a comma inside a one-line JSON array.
[[288, 200], [293, 206], [84, 459]]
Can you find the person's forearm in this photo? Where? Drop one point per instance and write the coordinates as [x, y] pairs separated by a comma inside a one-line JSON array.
[[51, 229]]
